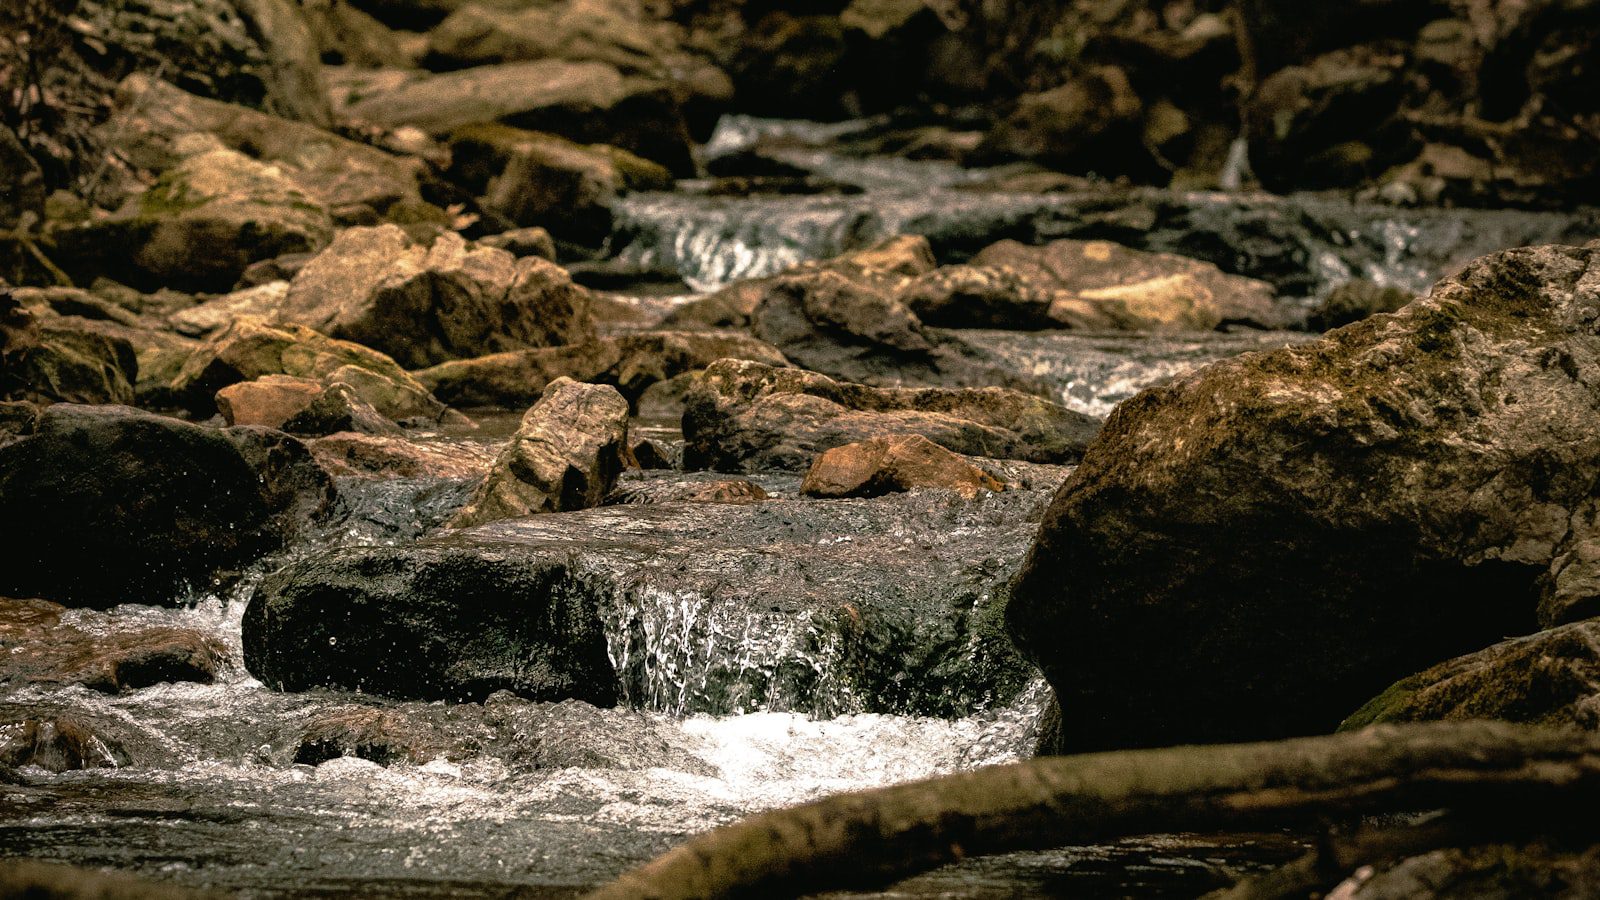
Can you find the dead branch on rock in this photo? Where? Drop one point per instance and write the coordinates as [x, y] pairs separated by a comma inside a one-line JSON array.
[[1481, 769]]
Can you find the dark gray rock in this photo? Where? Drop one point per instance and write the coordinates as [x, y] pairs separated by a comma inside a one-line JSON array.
[[102, 505]]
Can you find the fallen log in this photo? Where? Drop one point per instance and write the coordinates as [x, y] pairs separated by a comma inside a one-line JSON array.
[[1487, 770]]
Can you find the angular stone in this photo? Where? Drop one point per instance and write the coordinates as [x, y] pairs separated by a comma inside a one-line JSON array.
[[424, 305], [632, 363], [251, 348], [891, 464], [745, 417], [567, 455]]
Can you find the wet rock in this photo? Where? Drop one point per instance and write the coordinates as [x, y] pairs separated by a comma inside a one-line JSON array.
[[152, 115], [1093, 122], [108, 505], [1354, 301], [251, 348], [891, 464], [1552, 677], [378, 456], [102, 655], [47, 881], [523, 242], [429, 623], [632, 363], [887, 265], [381, 736], [744, 417], [300, 406], [1253, 550], [692, 490], [567, 455], [588, 102], [202, 223], [21, 183], [1103, 285], [804, 606], [424, 305], [540, 179], [62, 743], [49, 358]]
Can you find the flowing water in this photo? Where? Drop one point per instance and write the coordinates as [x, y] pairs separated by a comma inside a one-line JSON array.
[[217, 785]]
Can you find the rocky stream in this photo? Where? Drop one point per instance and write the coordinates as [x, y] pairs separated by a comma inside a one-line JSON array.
[[468, 449]]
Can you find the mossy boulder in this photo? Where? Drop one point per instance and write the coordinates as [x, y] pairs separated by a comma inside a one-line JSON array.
[[202, 224], [1253, 550], [1548, 678]]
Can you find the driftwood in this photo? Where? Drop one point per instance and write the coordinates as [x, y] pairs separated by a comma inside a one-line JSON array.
[[1485, 771]]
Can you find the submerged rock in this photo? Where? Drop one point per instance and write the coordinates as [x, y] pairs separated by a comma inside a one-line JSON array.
[[567, 455], [429, 623], [108, 505], [424, 305], [1255, 549], [41, 649], [745, 417], [890, 464]]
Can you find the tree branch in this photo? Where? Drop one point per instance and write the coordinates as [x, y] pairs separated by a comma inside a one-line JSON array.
[[873, 838]]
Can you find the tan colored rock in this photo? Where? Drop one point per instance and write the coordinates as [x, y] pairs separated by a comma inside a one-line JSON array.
[[632, 363], [334, 170], [380, 456], [205, 220], [567, 455], [892, 464], [734, 491], [251, 348], [423, 305], [442, 103], [300, 406]]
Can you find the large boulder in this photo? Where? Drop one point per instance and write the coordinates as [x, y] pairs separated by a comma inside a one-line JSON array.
[[567, 455], [434, 623], [787, 605], [252, 348], [203, 222], [101, 505], [744, 416], [632, 363], [423, 305], [1255, 549]]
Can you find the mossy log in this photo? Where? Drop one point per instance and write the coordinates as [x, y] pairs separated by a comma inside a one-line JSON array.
[[872, 838]]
